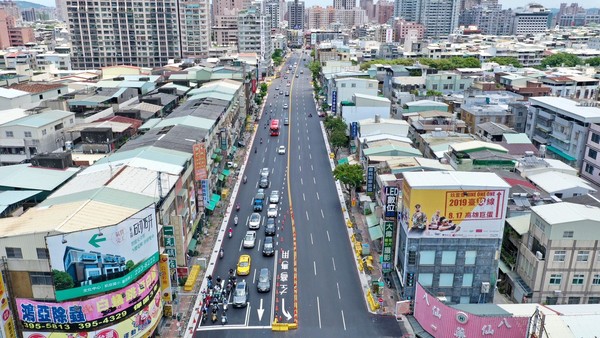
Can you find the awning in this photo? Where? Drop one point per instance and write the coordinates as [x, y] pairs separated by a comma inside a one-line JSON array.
[[213, 156], [561, 153], [192, 246], [215, 170], [372, 220], [503, 267], [375, 232], [343, 160], [211, 205], [221, 177], [215, 197], [226, 172]]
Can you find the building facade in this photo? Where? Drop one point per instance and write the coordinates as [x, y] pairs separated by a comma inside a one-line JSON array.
[[195, 27], [295, 13], [590, 168]]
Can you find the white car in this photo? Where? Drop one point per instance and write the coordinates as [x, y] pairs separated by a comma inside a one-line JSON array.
[[250, 239], [264, 172], [285, 106], [272, 211], [281, 150], [254, 222], [274, 198]]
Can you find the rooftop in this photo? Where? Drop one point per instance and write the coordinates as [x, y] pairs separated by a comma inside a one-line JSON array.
[[476, 146], [568, 107], [440, 180], [11, 93], [41, 119], [28, 177], [36, 87], [553, 181], [565, 212]]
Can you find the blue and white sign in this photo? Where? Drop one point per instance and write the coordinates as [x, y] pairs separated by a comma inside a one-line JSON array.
[[334, 101], [370, 179], [353, 130], [205, 189]]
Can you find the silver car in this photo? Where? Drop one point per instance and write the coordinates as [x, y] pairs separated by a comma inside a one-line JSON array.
[[264, 172], [274, 198], [254, 222], [249, 239], [264, 281], [240, 295]]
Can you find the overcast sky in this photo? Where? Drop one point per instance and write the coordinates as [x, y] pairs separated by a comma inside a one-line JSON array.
[[505, 3]]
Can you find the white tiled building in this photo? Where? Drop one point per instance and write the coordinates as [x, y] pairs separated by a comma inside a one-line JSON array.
[[590, 168]]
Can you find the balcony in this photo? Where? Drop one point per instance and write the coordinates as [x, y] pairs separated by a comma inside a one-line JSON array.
[[546, 116]]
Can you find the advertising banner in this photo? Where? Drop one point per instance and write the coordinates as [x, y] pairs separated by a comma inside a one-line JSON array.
[[205, 188], [441, 320], [353, 130], [95, 312], [454, 213], [199, 151], [370, 179], [100, 260], [7, 322], [334, 101], [313, 38], [391, 198], [141, 324], [165, 278]]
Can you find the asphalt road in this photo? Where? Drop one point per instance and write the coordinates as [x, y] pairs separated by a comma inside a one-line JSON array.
[[330, 300]]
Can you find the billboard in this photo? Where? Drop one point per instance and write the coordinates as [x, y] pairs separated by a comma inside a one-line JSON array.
[[334, 101], [7, 322], [199, 151], [96, 312], [165, 278], [453, 212], [141, 324], [441, 320], [100, 260]]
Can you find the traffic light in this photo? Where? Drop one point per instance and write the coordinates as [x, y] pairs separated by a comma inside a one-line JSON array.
[[410, 279]]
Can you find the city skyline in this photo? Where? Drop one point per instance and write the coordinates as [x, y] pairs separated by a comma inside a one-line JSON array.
[[310, 3]]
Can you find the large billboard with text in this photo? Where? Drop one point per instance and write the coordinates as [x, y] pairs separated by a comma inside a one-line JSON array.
[[453, 212], [96, 312], [441, 320], [141, 324], [7, 322], [95, 261]]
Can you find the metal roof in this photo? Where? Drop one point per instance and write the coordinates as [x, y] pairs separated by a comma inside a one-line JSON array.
[[554, 181], [191, 121], [565, 212], [568, 107], [520, 223], [180, 138], [519, 138], [440, 180], [11, 93], [10, 197], [41, 119], [25, 176]]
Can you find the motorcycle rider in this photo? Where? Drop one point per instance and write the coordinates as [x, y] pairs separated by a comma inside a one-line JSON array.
[[230, 232], [235, 220]]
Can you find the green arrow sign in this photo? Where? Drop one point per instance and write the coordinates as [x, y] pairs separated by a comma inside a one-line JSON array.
[[95, 240]]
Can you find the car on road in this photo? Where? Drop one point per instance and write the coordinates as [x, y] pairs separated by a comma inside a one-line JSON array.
[[286, 122], [264, 280], [268, 247], [260, 191], [288, 84], [254, 222], [301, 72], [274, 198], [263, 183], [264, 172], [285, 106], [249, 239], [281, 150], [287, 93], [240, 295], [297, 75], [272, 211], [276, 88], [270, 227], [243, 266], [281, 92]]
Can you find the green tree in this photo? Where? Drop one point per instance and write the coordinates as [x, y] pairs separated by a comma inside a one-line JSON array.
[[434, 93], [62, 280], [129, 265], [333, 124], [315, 68], [506, 61], [338, 140], [277, 57], [263, 88], [560, 59], [350, 175], [594, 62]]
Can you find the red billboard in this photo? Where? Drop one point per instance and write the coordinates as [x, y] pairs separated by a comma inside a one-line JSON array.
[[441, 320], [200, 172]]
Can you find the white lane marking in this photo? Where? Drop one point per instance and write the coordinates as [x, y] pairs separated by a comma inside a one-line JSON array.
[[275, 159], [319, 311], [311, 239], [241, 243], [328, 239], [309, 147], [343, 320], [254, 277], [319, 199], [263, 161], [299, 156], [310, 155], [308, 219], [322, 215], [315, 267], [300, 168], [338, 288], [273, 286], [258, 248], [311, 168], [303, 197], [314, 181], [333, 261], [301, 180]]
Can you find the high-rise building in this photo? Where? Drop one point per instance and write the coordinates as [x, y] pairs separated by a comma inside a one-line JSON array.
[[344, 4], [320, 18], [272, 8], [224, 30], [490, 19], [349, 18], [146, 34], [384, 11], [195, 27], [61, 10], [368, 6], [407, 9], [532, 19], [254, 34], [440, 17], [295, 15]]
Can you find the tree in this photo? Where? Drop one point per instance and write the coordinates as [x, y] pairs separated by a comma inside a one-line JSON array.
[[62, 280], [263, 88], [350, 175], [561, 59], [277, 57], [333, 124], [338, 140], [129, 265], [434, 93], [315, 69], [594, 62], [506, 61]]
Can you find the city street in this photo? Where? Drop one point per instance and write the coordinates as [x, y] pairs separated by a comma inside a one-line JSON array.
[[329, 300]]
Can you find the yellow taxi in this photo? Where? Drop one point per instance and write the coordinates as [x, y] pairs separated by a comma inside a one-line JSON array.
[[243, 266]]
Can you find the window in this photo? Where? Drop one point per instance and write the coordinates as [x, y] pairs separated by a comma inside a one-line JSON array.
[[461, 86], [43, 132], [14, 253], [555, 279], [40, 278], [595, 138], [596, 279], [465, 300], [353, 85], [434, 87], [551, 300], [41, 97], [9, 134], [574, 300], [467, 280], [427, 258], [592, 153], [42, 253], [560, 255], [448, 257], [446, 279], [589, 169], [370, 85], [426, 279], [583, 256], [470, 257], [578, 279], [343, 85], [58, 126], [568, 234], [70, 121], [594, 300], [27, 134]]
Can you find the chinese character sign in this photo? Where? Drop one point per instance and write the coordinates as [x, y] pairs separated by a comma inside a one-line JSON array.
[[370, 179], [441, 320], [353, 130], [454, 213], [199, 151], [388, 245], [391, 197], [7, 324], [165, 278], [334, 101]]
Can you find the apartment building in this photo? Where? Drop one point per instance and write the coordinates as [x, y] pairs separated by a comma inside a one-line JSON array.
[[559, 259], [590, 168], [295, 12], [349, 18], [195, 27], [561, 125], [440, 17], [346, 87], [146, 34], [447, 82], [224, 30], [273, 9], [254, 35], [531, 20], [573, 86], [320, 17]]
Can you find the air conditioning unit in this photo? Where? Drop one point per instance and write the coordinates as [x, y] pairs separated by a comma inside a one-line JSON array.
[[485, 287], [539, 255]]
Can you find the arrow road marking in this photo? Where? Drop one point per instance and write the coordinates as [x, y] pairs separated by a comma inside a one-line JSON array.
[[260, 310], [285, 313]]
